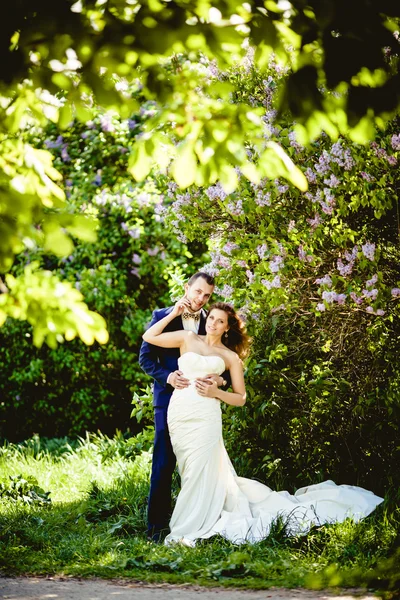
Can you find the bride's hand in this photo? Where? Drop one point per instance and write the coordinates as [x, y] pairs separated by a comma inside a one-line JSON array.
[[208, 390]]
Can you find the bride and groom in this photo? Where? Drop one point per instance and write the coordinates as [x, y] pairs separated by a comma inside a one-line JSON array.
[[194, 358]]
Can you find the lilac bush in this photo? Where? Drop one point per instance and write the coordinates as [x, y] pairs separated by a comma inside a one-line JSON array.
[[317, 275]]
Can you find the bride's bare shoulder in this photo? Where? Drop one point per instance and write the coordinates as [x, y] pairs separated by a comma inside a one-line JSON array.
[[232, 358]]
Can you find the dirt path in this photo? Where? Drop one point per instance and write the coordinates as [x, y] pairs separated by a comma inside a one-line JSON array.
[[35, 588]]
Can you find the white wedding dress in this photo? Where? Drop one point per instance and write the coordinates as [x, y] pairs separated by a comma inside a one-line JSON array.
[[214, 500]]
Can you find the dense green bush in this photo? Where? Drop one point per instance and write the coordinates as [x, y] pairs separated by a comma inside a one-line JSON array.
[[124, 276]]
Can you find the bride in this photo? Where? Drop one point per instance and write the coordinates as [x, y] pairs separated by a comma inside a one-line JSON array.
[[213, 499]]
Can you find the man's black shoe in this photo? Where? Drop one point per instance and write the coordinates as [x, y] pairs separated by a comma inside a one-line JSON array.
[[156, 535]]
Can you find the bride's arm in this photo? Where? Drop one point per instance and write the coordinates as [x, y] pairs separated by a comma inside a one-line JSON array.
[[235, 398], [172, 339]]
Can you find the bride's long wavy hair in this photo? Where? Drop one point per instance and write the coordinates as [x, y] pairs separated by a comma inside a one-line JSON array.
[[237, 338]]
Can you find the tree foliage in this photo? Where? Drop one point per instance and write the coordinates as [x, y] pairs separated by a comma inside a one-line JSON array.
[[60, 389], [59, 59]]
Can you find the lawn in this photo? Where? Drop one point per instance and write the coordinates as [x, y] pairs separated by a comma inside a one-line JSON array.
[[78, 507]]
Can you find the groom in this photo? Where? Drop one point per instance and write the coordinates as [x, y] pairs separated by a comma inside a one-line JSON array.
[[162, 365]]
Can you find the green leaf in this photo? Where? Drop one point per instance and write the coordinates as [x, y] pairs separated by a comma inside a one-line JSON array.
[[274, 162], [65, 116], [83, 228], [57, 242], [184, 167], [139, 163]]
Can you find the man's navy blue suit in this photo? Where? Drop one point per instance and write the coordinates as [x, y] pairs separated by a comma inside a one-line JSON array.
[[159, 363]]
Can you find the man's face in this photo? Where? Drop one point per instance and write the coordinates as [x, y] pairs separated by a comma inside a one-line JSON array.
[[198, 293]]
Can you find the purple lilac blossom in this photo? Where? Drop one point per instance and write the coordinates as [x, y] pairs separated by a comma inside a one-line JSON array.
[[355, 298], [216, 191], [311, 176], [327, 208], [134, 233], [225, 262], [340, 298], [395, 141], [293, 141], [370, 293], [236, 208], [351, 256], [261, 250], [325, 280], [106, 124], [241, 263], [323, 165], [250, 276], [64, 153], [371, 281], [211, 269], [343, 269], [276, 264], [329, 297], [332, 181], [135, 272], [229, 246], [302, 253], [329, 195], [98, 179], [54, 144], [395, 292], [262, 199], [369, 178], [368, 249], [315, 221], [153, 251], [282, 189], [392, 160], [321, 307], [227, 291], [275, 283], [291, 226]]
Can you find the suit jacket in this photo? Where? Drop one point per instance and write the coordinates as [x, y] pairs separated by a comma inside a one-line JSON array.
[[160, 362]]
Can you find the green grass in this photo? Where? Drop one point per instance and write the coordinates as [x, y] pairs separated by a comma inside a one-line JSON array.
[[95, 526]]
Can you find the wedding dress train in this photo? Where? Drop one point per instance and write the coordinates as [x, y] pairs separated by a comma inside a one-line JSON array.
[[214, 500]]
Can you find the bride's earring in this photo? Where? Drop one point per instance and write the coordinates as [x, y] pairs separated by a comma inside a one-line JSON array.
[[225, 335]]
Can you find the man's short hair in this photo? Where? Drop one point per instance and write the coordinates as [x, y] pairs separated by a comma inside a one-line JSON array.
[[209, 278]]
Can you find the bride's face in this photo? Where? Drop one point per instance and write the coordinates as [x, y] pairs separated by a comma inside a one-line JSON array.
[[217, 322]]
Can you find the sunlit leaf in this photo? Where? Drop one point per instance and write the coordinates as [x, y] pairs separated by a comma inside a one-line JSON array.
[[184, 167]]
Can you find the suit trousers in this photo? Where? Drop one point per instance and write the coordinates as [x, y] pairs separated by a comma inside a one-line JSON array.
[[163, 466]]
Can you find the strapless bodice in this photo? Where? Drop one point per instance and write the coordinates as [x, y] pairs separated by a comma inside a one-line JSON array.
[[195, 365]]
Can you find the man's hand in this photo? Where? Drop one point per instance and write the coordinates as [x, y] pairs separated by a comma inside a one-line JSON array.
[[211, 378], [177, 380], [180, 306]]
